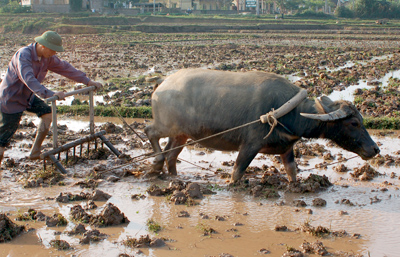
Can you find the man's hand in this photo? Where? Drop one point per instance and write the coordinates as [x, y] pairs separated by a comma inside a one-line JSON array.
[[98, 85], [60, 95]]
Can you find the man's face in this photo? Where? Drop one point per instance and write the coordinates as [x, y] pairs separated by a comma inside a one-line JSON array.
[[47, 52]]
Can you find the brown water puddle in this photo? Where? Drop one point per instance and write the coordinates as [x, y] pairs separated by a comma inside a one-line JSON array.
[[255, 232], [375, 214]]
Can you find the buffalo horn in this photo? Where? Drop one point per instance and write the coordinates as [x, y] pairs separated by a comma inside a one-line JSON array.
[[291, 104], [335, 115]]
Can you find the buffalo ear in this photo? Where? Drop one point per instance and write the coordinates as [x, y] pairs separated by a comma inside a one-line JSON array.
[[324, 105]]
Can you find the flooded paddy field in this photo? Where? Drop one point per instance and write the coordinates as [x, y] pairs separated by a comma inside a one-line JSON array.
[[349, 208], [361, 214]]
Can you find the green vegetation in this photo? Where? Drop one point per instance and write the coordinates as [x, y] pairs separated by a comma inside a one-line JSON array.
[[382, 123], [153, 226], [13, 7], [145, 112], [206, 230], [106, 111]]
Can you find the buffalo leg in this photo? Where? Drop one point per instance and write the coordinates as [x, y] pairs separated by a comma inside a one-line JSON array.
[[158, 161], [172, 156], [245, 156], [289, 164]]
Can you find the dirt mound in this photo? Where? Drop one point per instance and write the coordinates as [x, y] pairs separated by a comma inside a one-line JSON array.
[[180, 192], [97, 195], [60, 244], [8, 229], [143, 241], [92, 236], [31, 214], [56, 220], [365, 172], [43, 178], [272, 181], [314, 183], [110, 216]]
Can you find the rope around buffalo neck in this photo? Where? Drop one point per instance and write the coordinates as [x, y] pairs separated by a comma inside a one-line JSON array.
[[270, 118]]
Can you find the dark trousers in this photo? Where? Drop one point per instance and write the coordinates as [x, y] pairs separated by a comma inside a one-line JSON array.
[[9, 122]]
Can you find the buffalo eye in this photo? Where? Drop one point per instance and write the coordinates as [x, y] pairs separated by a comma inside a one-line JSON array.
[[355, 124]]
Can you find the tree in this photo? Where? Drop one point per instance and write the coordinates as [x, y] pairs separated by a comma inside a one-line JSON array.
[[344, 12], [4, 2], [76, 5], [285, 5], [365, 8]]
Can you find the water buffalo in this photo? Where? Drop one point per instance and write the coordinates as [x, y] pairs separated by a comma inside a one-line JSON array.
[[196, 103]]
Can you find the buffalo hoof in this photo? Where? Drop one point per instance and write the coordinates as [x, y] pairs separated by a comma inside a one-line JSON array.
[[233, 183], [152, 174], [34, 156], [158, 166]]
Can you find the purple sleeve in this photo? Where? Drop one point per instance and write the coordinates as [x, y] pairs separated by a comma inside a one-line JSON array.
[[64, 68], [26, 75]]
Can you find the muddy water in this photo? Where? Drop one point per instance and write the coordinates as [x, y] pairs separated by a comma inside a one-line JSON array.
[[375, 214]]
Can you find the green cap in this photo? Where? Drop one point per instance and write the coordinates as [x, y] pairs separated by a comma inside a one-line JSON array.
[[51, 40]]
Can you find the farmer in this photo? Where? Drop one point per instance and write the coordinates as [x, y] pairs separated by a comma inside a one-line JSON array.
[[21, 88]]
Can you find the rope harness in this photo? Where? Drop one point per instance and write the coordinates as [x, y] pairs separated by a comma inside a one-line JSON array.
[[271, 118]]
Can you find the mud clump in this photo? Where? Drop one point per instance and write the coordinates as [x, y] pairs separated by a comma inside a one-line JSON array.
[[77, 230], [281, 228], [97, 195], [264, 192], [31, 214], [345, 201], [8, 229], [111, 128], [193, 190], [91, 183], [319, 202], [365, 173], [273, 178], [56, 220], [180, 192], [301, 149], [92, 236], [292, 252], [312, 184], [78, 213], [206, 230], [272, 181], [299, 203], [386, 160], [68, 197], [60, 244], [340, 168], [43, 178], [98, 154], [321, 231], [110, 216], [316, 247], [143, 241]]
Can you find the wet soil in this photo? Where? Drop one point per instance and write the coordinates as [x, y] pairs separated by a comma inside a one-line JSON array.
[[322, 62], [341, 205], [198, 213]]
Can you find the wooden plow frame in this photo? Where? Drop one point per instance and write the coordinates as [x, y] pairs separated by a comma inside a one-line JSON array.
[[92, 137]]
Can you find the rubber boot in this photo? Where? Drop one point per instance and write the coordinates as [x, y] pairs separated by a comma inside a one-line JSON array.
[[1, 153], [42, 131]]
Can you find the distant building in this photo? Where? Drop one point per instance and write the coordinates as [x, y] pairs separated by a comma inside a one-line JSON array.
[[63, 6], [197, 4], [53, 6]]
